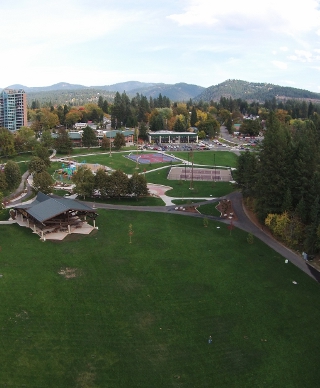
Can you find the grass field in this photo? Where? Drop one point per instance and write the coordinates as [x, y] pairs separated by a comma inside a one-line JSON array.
[[221, 158], [209, 209], [182, 188], [118, 161], [140, 314]]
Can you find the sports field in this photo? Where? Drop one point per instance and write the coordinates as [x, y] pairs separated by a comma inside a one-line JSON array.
[[101, 312]]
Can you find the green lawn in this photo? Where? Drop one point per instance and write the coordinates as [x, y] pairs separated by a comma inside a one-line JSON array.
[[143, 201], [209, 209], [86, 151], [118, 161], [221, 158], [182, 188], [140, 314]]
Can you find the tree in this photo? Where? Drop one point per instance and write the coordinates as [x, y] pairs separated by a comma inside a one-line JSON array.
[[138, 185], [250, 127], [13, 174], [89, 138], [119, 141], [24, 139], [3, 182], [105, 143], [100, 182], [178, 125], [6, 142], [245, 174], [37, 165], [42, 153], [229, 125], [210, 126], [272, 178], [72, 117], [43, 181], [194, 117], [84, 182], [46, 139], [63, 142], [118, 184], [143, 132]]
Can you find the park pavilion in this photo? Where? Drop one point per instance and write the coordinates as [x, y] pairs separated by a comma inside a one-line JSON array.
[[53, 217]]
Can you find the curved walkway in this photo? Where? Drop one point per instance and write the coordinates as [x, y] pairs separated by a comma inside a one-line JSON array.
[[243, 221]]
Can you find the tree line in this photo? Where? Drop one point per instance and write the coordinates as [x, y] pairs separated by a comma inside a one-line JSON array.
[[282, 182], [104, 184]]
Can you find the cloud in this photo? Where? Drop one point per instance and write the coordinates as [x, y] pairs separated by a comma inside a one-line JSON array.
[[280, 65], [303, 56], [278, 16], [60, 24]]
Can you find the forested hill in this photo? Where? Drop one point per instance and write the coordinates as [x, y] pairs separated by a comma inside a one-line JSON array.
[[176, 92], [64, 93], [251, 91]]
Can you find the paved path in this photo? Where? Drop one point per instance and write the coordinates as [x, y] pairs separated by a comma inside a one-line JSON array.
[[243, 221]]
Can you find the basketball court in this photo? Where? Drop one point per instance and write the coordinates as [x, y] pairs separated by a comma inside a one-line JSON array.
[[199, 174], [152, 158]]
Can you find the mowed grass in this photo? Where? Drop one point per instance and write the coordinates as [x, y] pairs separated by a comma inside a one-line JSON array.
[[209, 209], [119, 161], [182, 188], [140, 314], [210, 158]]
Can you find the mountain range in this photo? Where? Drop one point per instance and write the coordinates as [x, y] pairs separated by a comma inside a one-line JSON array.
[[64, 92]]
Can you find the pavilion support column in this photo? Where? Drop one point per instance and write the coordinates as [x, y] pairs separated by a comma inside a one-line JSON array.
[[160, 139], [94, 223], [188, 139], [34, 228], [179, 139], [28, 223], [42, 236], [69, 229]]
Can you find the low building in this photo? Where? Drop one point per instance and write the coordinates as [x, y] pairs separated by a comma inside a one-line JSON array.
[[172, 137]]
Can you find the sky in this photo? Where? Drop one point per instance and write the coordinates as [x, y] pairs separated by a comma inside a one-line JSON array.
[[201, 42]]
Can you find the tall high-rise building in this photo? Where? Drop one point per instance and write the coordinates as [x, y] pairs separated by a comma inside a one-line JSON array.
[[13, 109]]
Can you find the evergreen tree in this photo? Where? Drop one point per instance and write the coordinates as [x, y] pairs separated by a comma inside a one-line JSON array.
[[63, 142], [89, 138], [143, 132], [272, 181], [178, 125], [194, 117], [245, 174]]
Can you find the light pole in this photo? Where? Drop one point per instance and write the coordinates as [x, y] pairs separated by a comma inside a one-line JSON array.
[[191, 182]]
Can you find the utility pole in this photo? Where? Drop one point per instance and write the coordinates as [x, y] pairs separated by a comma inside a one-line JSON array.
[[191, 182]]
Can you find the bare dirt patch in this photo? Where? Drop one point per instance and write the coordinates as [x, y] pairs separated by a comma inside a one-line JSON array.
[[69, 273]]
